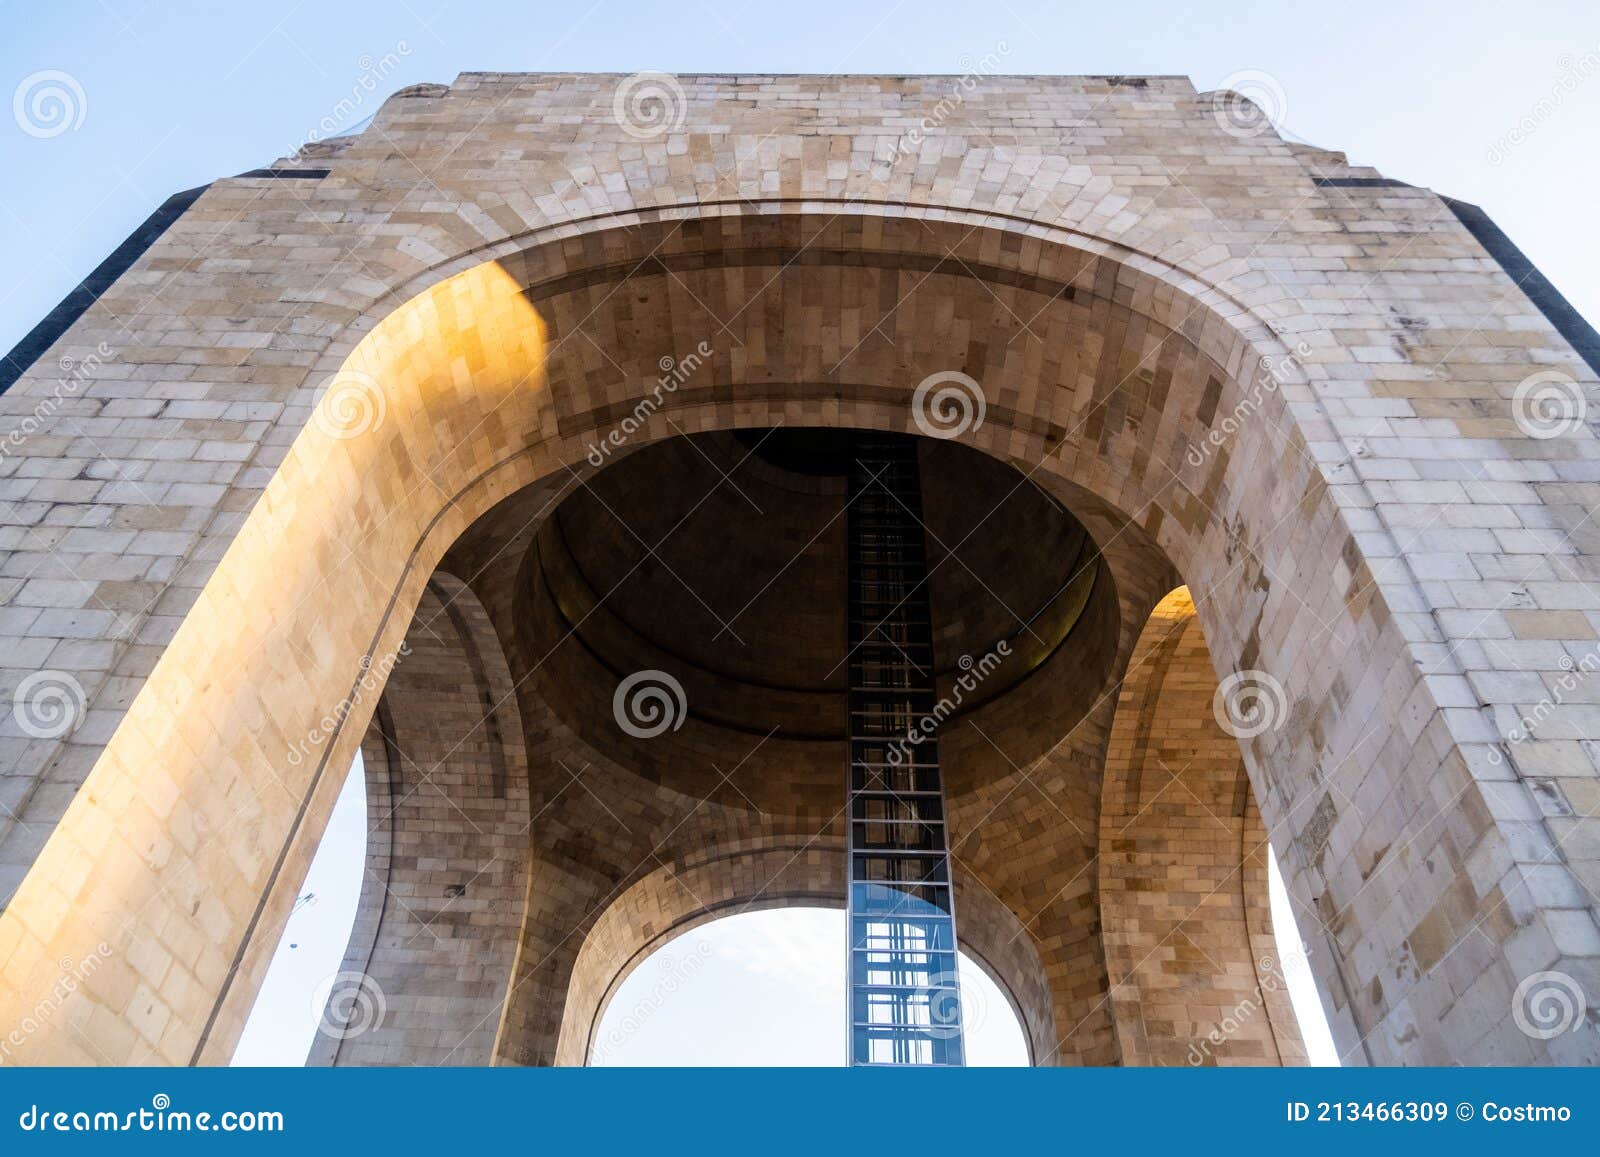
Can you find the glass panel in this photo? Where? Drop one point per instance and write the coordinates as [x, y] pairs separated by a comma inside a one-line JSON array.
[[920, 970], [926, 933], [936, 1009], [895, 808], [905, 900], [900, 779], [905, 1046], [900, 837], [901, 869]]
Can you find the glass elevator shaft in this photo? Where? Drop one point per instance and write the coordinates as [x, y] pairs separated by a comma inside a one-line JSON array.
[[904, 999]]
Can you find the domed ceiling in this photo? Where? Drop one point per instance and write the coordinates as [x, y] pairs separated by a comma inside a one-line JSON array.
[[719, 559]]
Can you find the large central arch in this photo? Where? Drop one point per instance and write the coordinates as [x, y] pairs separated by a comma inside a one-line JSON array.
[[505, 375]]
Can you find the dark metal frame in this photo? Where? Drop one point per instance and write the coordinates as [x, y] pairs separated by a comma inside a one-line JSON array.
[[904, 1001]]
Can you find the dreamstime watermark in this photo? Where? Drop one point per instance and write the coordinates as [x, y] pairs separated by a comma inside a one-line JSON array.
[[1572, 674], [1548, 404], [350, 405], [348, 1005], [648, 703], [1248, 103], [678, 972], [972, 71], [649, 104], [1250, 703], [973, 673], [48, 103], [674, 372], [1274, 373], [948, 404], [73, 974], [160, 1117], [1271, 976], [953, 1008], [1548, 1004], [49, 704], [373, 677], [74, 373], [373, 71], [1570, 74]]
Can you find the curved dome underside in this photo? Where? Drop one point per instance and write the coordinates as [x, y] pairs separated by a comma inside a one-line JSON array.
[[720, 560]]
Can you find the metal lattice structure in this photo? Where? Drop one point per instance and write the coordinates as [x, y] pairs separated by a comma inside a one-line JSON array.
[[904, 997]]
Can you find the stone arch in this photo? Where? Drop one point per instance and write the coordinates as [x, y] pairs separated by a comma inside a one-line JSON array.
[[712, 884], [437, 922], [1190, 954], [473, 390], [381, 762]]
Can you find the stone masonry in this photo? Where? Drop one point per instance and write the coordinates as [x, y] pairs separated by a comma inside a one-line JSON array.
[[1315, 396]]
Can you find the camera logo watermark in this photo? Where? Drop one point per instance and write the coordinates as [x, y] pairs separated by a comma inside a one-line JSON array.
[[649, 703], [949, 1011], [1250, 703], [351, 404], [48, 103], [1248, 103], [49, 704], [948, 404], [1548, 404], [649, 104], [348, 1005], [1548, 1004]]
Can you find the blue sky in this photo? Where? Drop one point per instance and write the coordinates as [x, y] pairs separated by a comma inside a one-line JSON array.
[[283, 1023], [176, 94], [167, 96], [776, 982]]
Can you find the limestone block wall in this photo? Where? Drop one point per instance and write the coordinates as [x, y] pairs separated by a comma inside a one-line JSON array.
[[1196, 977], [437, 932], [354, 1002], [1028, 832]]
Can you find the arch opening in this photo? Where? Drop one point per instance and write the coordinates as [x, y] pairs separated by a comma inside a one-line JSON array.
[[290, 1008], [1204, 956], [765, 988]]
